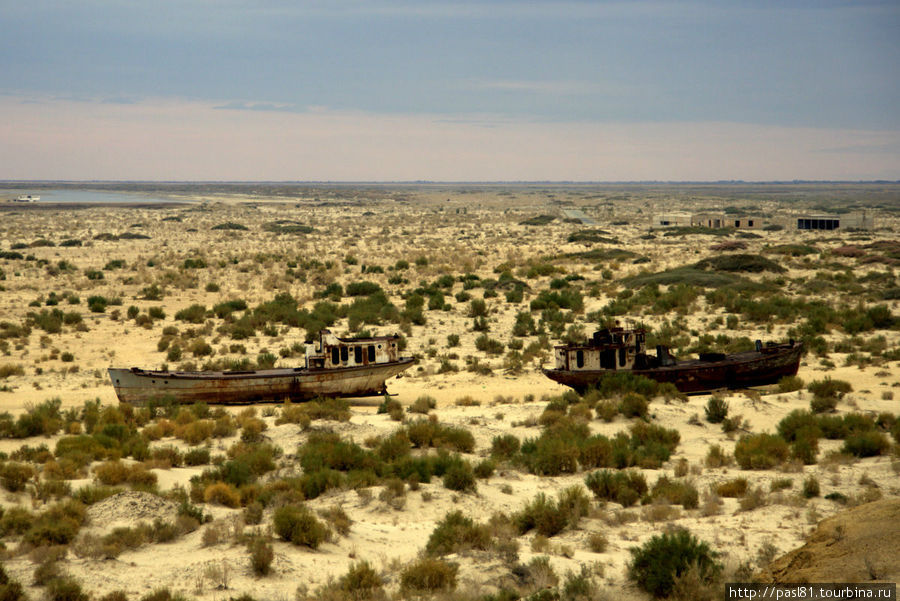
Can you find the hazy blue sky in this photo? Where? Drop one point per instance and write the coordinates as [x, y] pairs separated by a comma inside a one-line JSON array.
[[501, 90]]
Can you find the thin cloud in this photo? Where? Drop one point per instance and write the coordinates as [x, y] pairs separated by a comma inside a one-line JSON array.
[[158, 139], [548, 87]]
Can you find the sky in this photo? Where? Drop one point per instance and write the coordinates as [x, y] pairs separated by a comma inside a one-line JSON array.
[[503, 90]]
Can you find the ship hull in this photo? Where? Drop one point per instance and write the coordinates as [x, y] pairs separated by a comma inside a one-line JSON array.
[[140, 387], [741, 370]]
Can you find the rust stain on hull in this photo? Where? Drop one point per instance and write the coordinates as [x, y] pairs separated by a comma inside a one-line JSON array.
[[139, 387], [339, 367], [765, 365]]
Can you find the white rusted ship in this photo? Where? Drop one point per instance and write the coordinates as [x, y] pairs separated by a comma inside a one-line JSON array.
[[335, 367]]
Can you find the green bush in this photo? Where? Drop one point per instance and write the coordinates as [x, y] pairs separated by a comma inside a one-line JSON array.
[[716, 410], [660, 561], [261, 556], [428, 575], [230, 225], [65, 588], [676, 492], [790, 384], [505, 446], [360, 582], [623, 487], [866, 444], [485, 469], [634, 405], [740, 263], [362, 288], [622, 382], [193, 314], [57, 525], [459, 476], [456, 533], [196, 456], [549, 518], [820, 404], [298, 525], [829, 388], [14, 475], [427, 433], [760, 451], [798, 424]]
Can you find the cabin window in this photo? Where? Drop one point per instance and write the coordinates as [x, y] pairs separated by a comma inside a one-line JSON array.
[[750, 223], [608, 359], [622, 357], [371, 354], [737, 223], [579, 358], [357, 355], [345, 354], [335, 355]]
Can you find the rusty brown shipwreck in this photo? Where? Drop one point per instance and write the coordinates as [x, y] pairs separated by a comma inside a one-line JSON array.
[[612, 350], [335, 367]]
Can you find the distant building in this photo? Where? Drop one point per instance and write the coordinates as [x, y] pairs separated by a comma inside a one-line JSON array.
[[27, 198], [859, 220], [673, 219], [713, 220], [745, 223]]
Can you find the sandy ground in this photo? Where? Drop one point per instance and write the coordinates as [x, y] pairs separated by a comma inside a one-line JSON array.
[[458, 231]]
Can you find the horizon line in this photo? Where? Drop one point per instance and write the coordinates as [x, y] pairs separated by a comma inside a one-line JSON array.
[[444, 182]]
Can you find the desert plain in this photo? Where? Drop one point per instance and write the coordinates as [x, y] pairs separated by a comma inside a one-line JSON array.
[[481, 281]]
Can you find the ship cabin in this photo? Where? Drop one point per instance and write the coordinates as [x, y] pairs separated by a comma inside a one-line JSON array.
[[611, 349], [331, 352]]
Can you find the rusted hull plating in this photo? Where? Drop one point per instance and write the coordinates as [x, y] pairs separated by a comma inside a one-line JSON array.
[[740, 370], [139, 387]]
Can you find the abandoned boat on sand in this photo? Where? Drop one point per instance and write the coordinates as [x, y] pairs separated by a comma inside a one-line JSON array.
[[339, 367], [582, 366]]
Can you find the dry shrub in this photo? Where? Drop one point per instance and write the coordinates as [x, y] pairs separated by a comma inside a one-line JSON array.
[[754, 499], [468, 401], [111, 473], [711, 504], [224, 426], [733, 488], [15, 475], [195, 432], [597, 542], [338, 518], [166, 457], [716, 457], [660, 512], [252, 429], [215, 532], [607, 410], [116, 472], [161, 429], [423, 404], [222, 493], [294, 414]]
